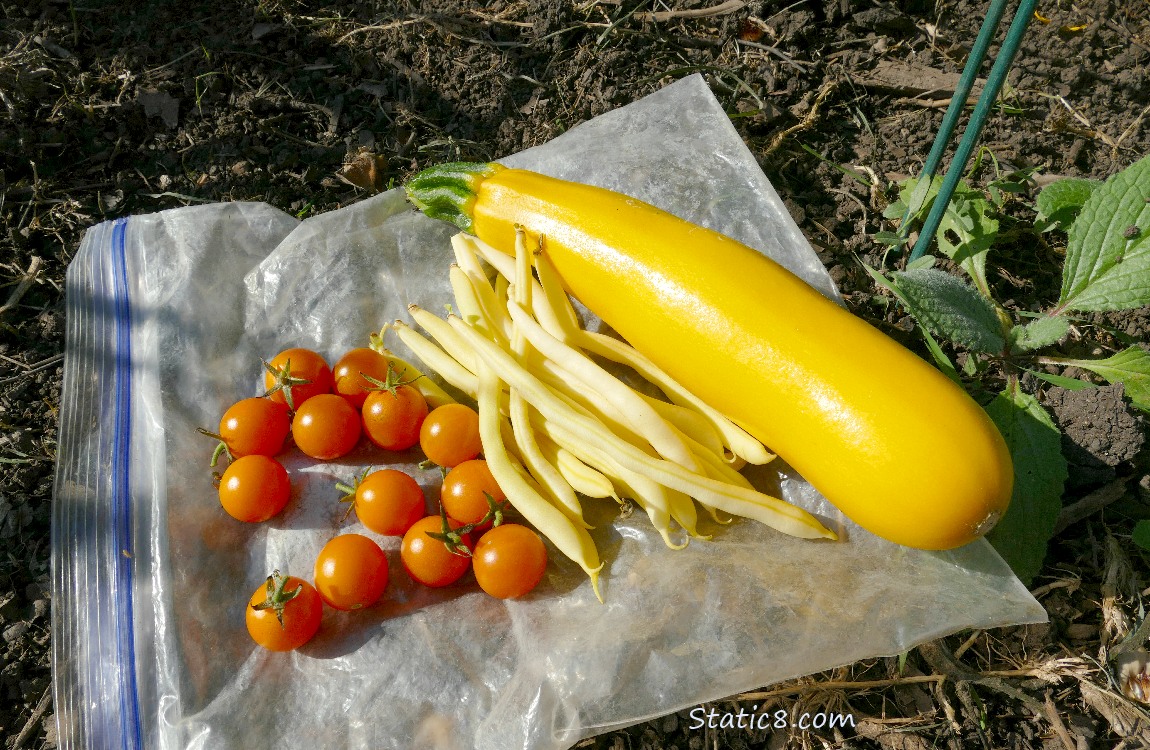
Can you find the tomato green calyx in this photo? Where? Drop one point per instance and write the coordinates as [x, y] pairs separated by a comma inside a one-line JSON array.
[[448, 191], [283, 381], [349, 492], [278, 597], [494, 511], [452, 538], [391, 383]]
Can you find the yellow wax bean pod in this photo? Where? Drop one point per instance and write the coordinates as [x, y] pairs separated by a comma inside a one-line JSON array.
[[737, 500], [690, 423], [584, 479], [738, 440], [570, 539], [438, 360], [455, 346], [642, 418], [537, 464], [476, 301]]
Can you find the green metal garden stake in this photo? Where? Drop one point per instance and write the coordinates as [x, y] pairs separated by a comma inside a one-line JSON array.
[[978, 119]]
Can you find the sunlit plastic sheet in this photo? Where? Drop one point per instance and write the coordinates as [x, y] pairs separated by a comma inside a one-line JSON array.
[[168, 316]]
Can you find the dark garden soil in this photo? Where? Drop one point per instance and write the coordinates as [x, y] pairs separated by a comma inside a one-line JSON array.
[[115, 108]]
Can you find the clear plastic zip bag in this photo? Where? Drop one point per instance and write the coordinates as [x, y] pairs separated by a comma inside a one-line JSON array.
[[168, 315]]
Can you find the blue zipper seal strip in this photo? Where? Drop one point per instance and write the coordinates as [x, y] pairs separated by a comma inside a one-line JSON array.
[[131, 735]]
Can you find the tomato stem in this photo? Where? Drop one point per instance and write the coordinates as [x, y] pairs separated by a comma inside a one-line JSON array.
[[221, 447]]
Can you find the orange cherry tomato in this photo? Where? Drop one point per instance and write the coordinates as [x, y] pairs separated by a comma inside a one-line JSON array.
[[509, 561], [450, 435], [392, 418], [348, 374], [295, 375], [389, 502], [255, 426], [254, 488], [326, 427], [465, 491], [428, 560], [284, 613], [351, 572]]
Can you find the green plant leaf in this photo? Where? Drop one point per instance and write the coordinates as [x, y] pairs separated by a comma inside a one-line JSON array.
[[1108, 248], [889, 238], [915, 194], [1141, 534], [966, 233], [1038, 333], [936, 351], [1130, 367], [947, 307], [1040, 472], [923, 261], [1070, 384], [1059, 202]]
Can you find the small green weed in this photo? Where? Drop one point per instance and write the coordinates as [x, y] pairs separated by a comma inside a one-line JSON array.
[[1107, 268]]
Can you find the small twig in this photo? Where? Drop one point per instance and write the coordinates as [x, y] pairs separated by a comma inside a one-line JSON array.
[[958, 652], [842, 685], [1059, 727], [1091, 130], [380, 27], [1131, 128], [929, 103], [943, 661], [1090, 504], [801, 67], [30, 369], [807, 122], [25, 283], [34, 719], [722, 9]]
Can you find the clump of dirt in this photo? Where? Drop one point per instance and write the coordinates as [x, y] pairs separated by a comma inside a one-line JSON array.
[[1100, 433]]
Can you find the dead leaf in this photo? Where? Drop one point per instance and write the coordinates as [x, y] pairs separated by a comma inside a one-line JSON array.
[[365, 171], [915, 80], [1124, 718], [749, 31]]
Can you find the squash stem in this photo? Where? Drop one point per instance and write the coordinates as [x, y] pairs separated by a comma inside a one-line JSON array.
[[448, 191]]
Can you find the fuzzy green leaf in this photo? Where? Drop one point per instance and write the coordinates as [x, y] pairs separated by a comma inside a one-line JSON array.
[[1130, 367], [947, 307], [1038, 333], [1040, 472], [1108, 248], [1059, 202]]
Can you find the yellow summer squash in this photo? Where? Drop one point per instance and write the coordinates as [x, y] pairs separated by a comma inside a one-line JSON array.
[[893, 443]]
